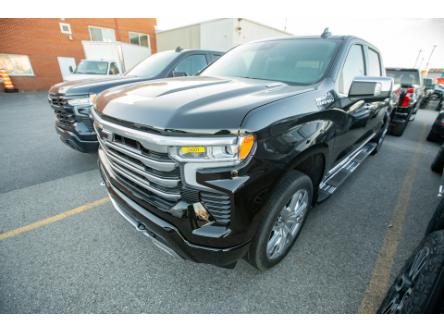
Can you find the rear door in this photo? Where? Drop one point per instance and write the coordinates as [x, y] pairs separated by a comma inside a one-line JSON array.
[[377, 110]]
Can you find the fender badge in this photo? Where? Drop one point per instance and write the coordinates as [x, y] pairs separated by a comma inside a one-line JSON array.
[[324, 100]]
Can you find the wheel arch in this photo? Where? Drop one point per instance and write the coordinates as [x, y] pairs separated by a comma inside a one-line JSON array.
[[312, 162]]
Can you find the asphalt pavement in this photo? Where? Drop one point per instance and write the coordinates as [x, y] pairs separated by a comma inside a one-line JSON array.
[[83, 258]]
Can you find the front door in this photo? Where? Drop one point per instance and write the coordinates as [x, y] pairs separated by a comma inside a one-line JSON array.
[[64, 64], [355, 114]]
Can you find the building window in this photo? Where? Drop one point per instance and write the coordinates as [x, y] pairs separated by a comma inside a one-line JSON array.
[[139, 39], [102, 34], [16, 64], [65, 28]]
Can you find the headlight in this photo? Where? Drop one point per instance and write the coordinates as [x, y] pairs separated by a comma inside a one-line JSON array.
[[234, 152], [92, 99], [83, 101]]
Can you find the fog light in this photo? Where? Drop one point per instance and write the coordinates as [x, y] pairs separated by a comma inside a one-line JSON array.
[[202, 215]]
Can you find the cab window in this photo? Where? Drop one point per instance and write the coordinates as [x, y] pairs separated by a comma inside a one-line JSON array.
[[374, 64], [113, 69], [353, 67], [192, 64]]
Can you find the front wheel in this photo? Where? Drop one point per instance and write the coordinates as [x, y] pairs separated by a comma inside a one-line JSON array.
[[280, 220]]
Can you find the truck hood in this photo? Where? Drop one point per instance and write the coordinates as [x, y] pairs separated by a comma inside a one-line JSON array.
[[93, 86], [192, 104]]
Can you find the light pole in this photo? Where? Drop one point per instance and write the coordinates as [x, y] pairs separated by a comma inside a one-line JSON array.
[[430, 57], [417, 58]]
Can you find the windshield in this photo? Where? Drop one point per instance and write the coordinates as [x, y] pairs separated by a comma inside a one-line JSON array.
[[153, 65], [92, 67], [296, 61], [404, 77]]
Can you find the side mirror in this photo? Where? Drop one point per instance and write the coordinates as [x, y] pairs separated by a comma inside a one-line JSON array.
[[179, 74], [71, 70], [371, 87]]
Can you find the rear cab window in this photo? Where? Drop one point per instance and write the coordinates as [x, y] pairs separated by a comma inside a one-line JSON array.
[[374, 63]]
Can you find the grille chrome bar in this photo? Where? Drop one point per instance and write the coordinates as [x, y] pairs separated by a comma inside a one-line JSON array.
[[166, 182], [139, 181], [154, 164]]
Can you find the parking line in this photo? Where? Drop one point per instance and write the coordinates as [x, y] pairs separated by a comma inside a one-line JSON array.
[[380, 279], [52, 219]]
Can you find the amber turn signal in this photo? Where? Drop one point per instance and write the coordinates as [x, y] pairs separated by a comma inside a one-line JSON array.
[[246, 146]]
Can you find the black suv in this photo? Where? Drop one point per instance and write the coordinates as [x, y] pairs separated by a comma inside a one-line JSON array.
[[227, 165], [412, 91], [72, 101]]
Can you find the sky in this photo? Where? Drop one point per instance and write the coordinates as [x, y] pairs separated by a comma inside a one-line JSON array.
[[399, 39]]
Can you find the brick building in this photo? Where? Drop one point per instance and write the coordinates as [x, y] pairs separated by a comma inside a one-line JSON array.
[[30, 48]]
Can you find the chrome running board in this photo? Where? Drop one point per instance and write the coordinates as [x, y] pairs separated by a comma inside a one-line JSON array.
[[337, 176]]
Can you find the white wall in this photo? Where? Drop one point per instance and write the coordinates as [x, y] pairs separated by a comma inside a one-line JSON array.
[[247, 31], [217, 35], [185, 37]]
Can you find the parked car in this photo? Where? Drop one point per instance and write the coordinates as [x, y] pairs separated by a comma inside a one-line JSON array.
[[436, 133], [72, 101], [438, 96], [227, 165], [94, 69], [106, 59], [419, 287], [412, 92], [429, 87]]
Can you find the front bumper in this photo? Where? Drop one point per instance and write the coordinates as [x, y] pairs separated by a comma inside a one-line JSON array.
[[166, 235], [85, 143], [401, 115]]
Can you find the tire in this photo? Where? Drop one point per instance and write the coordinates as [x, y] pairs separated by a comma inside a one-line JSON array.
[[263, 254], [379, 140], [433, 137], [438, 163], [420, 285], [437, 221], [398, 129]]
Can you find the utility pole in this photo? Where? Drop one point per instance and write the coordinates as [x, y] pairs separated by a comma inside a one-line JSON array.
[[417, 58], [430, 57]]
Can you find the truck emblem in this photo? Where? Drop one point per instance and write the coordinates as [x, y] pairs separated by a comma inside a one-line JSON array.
[[324, 100]]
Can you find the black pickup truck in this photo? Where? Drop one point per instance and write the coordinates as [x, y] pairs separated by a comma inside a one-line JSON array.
[[227, 165], [411, 95], [71, 101]]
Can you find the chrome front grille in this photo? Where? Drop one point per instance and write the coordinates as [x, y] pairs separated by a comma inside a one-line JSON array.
[[57, 100], [140, 162], [154, 175], [65, 118]]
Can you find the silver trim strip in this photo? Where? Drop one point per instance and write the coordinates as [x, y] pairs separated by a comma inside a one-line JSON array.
[[160, 143], [158, 165]]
